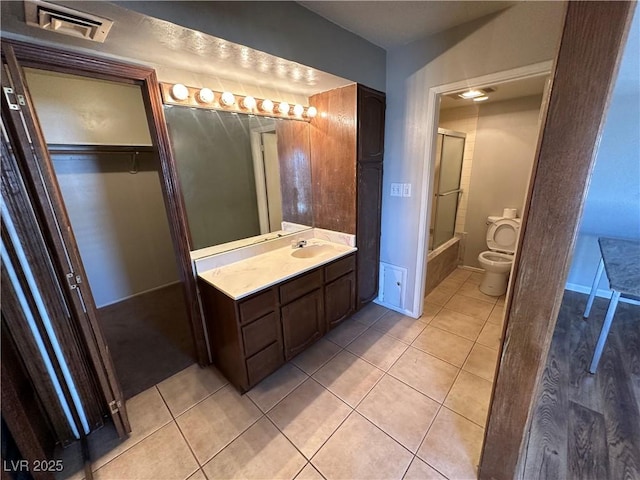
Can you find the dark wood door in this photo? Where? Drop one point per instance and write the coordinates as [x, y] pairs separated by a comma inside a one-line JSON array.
[[339, 300], [368, 236], [371, 117], [70, 293], [302, 323]]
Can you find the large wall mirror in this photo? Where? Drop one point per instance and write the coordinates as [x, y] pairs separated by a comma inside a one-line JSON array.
[[241, 175]]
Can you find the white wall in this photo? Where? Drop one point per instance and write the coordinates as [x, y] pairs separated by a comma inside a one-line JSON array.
[[118, 218], [612, 206], [524, 34], [505, 147], [81, 110]]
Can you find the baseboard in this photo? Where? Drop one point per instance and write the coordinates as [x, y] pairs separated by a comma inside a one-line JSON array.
[[137, 294], [471, 269], [574, 287]]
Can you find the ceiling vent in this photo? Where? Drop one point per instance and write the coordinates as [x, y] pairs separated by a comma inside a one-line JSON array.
[[66, 21]]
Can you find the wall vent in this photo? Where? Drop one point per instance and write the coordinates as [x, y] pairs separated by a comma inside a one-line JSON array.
[[66, 21]]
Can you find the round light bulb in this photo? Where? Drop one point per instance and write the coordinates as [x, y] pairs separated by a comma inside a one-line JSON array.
[[249, 103], [298, 110], [283, 108], [312, 112], [227, 99], [266, 106], [205, 95], [179, 92]]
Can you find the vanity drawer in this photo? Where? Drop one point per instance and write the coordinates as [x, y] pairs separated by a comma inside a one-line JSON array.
[[340, 267], [264, 363], [258, 305], [260, 333], [299, 286]]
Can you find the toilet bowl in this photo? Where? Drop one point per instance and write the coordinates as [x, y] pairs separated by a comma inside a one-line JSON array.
[[502, 237]]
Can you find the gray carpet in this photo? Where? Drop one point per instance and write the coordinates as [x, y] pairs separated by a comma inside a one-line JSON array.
[[149, 338]]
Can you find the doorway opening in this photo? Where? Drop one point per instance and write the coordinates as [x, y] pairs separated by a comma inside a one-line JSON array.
[[100, 146]]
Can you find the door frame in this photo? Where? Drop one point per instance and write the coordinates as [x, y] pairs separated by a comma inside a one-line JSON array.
[[426, 198], [593, 40], [59, 60]]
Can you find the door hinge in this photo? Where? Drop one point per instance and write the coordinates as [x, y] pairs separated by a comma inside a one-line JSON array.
[[114, 406], [73, 280], [8, 91]]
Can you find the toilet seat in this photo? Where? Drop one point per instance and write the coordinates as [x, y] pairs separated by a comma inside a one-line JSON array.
[[502, 235]]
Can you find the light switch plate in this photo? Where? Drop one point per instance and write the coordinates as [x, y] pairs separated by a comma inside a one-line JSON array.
[[396, 189], [406, 189]]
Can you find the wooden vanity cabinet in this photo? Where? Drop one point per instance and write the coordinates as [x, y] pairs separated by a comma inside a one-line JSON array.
[[250, 338]]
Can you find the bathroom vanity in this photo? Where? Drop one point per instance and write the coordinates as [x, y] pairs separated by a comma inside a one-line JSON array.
[[264, 310]]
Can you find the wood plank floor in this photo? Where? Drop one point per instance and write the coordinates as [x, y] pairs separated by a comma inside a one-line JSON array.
[[588, 426]]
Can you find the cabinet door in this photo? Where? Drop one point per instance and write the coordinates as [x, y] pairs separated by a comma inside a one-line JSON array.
[[368, 233], [339, 300], [371, 108], [302, 323]]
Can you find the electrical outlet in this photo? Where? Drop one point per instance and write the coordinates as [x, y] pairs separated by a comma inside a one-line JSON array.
[[406, 189], [396, 189]]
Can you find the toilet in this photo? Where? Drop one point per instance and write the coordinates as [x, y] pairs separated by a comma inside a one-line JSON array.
[[502, 237]]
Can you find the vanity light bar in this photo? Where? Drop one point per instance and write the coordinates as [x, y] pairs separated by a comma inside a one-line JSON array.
[[179, 94]]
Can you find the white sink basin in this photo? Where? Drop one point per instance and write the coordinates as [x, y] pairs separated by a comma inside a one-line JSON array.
[[310, 251]]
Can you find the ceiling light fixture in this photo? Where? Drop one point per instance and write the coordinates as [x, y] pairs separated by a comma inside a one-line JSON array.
[[481, 99], [471, 94]]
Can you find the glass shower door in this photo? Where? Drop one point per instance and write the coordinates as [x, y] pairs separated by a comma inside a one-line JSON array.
[[447, 190]]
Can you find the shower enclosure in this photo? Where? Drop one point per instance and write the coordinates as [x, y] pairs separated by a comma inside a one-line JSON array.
[[446, 186]]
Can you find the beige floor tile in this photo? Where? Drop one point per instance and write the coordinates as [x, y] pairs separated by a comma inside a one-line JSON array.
[[470, 397], [348, 377], [213, 423], [402, 412], [501, 300], [276, 386], [452, 445], [481, 362], [444, 345], [476, 277], [377, 348], [429, 310], [346, 332], [199, 475], [262, 452], [454, 322], [369, 314], [418, 470], [497, 315], [458, 276], [359, 450], [425, 373], [441, 294], [163, 454], [309, 473], [186, 388], [400, 326], [316, 356], [490, 336], [470, 289], [469, 306], [309, 415], [147, 413]]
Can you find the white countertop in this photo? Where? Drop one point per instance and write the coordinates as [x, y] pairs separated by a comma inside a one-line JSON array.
[[244, 277]]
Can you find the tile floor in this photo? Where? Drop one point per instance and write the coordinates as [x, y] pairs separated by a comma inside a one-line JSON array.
[[383, 396]]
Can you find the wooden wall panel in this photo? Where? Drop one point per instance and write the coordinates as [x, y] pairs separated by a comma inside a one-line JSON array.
[[333, 143], [590, 51], [294, 154]]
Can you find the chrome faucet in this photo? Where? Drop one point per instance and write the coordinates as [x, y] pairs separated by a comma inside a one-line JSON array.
[[298, 243]]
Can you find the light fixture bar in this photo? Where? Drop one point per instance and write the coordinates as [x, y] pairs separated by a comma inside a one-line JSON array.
[[178, 94]]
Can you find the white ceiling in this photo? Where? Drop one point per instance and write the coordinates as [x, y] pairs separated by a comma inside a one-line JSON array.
[[390, 24], [503, 91]]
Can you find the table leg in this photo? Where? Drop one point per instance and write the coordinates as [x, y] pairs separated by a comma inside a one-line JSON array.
[[594, 289], [613, 304]]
